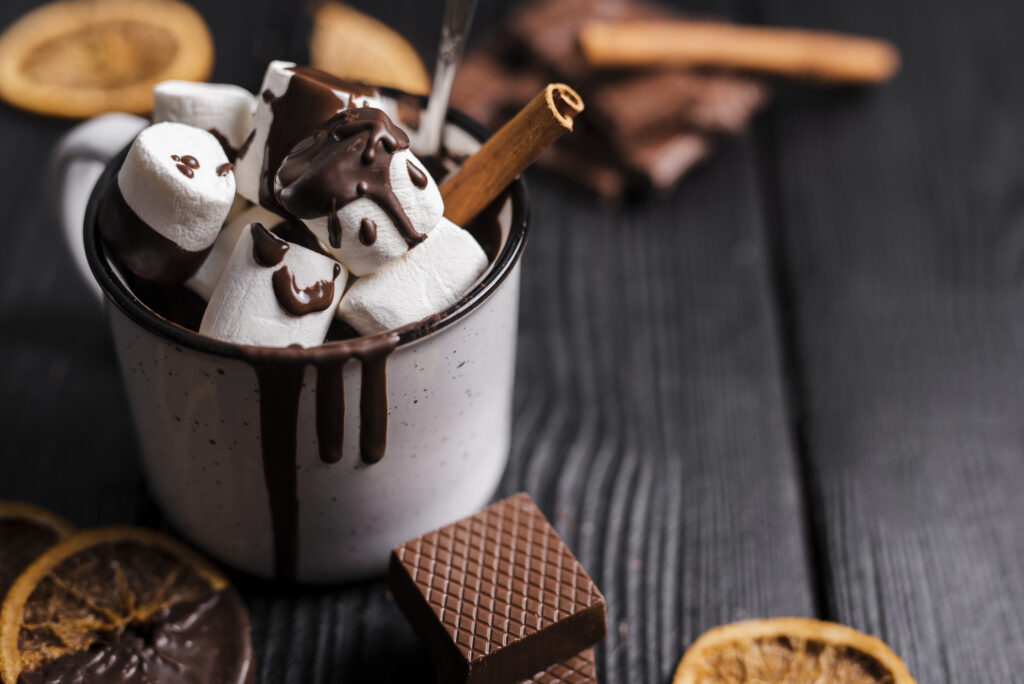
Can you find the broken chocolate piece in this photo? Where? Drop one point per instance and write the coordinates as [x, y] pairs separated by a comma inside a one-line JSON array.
[[498, 596], [670, 101], [642, 129]]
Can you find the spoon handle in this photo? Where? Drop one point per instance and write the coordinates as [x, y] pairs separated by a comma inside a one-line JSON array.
[[458, 14]]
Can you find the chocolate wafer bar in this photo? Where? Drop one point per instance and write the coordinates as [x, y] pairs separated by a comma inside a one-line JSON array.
[[579, 669], [497, 597]]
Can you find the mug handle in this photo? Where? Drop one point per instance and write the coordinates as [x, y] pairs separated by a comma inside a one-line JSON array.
[[78, 160]]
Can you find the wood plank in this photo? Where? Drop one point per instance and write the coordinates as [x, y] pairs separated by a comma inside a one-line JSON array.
[[901, 233], [651, 420]]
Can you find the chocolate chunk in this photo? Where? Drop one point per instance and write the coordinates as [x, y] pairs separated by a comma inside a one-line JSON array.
[[661, 162], [641, 130], [669, 101], [548, 30], [489, 92], [497, 597], [579, 669]]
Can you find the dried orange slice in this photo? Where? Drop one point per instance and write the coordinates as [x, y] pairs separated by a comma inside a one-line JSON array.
[[80, 58], [791, 651], [123, 599], [25, 532], [356, 47]]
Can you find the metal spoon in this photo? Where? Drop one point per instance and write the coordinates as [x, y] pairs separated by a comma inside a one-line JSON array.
[[458, 14]]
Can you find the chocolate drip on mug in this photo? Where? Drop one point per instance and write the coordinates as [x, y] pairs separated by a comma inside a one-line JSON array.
[[416, 175], [330, 410], [280, 386], [373, 400], [367, 232], [350, 159], [267, 249], [312, 97], [299, 301], [279, 373]]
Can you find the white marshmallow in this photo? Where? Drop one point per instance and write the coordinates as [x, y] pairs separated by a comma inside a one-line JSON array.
[[206, 278], [249, 167], [431, 277], [424, 208], [210, 106], [188, 211], [244, 308]]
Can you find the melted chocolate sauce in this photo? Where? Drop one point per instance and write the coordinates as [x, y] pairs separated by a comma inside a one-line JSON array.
[[298, 301], [351, 158], [193, 641], [298, 233], [139, 248], [225, 169], [373, 400], [367, 232], [267, 249], [230, 152], [416, 175], [244, 149], [334, 225], [312, 97], [186, 165], [279, 373], [280, 386]]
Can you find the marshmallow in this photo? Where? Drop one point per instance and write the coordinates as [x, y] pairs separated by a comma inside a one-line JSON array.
[[318, 98], [206, 278], [173, 192], [423, 206], [431, 277], [175, 178], [226, 109], [274, 295]]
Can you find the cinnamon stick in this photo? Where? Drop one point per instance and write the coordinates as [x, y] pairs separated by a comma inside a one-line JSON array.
[[817, 55], [510, 151]]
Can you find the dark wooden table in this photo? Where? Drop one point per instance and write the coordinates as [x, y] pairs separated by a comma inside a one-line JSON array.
[[794, 385]]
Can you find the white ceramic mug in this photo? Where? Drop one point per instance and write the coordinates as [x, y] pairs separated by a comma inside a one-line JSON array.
[[206, 411]]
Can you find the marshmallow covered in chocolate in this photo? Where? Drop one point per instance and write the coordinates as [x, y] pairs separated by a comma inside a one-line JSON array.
[[429, 279], [172, 195], [224, 110], [293, 102], [360, 190], [274, 293]]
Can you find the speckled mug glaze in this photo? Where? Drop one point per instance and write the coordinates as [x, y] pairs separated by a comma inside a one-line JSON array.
[[196, 406]]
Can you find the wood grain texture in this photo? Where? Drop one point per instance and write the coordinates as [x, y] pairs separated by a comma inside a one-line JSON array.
[[902, 240]]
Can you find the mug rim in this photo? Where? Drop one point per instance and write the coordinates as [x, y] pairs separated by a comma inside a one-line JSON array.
[[121, 295]]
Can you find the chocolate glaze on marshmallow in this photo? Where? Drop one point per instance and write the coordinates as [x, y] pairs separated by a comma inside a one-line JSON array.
[[274, 293], [293, 102], [360, 190], [172, 195]]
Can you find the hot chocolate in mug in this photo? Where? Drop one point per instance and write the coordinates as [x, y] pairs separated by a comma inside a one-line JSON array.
[[310, 464]]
